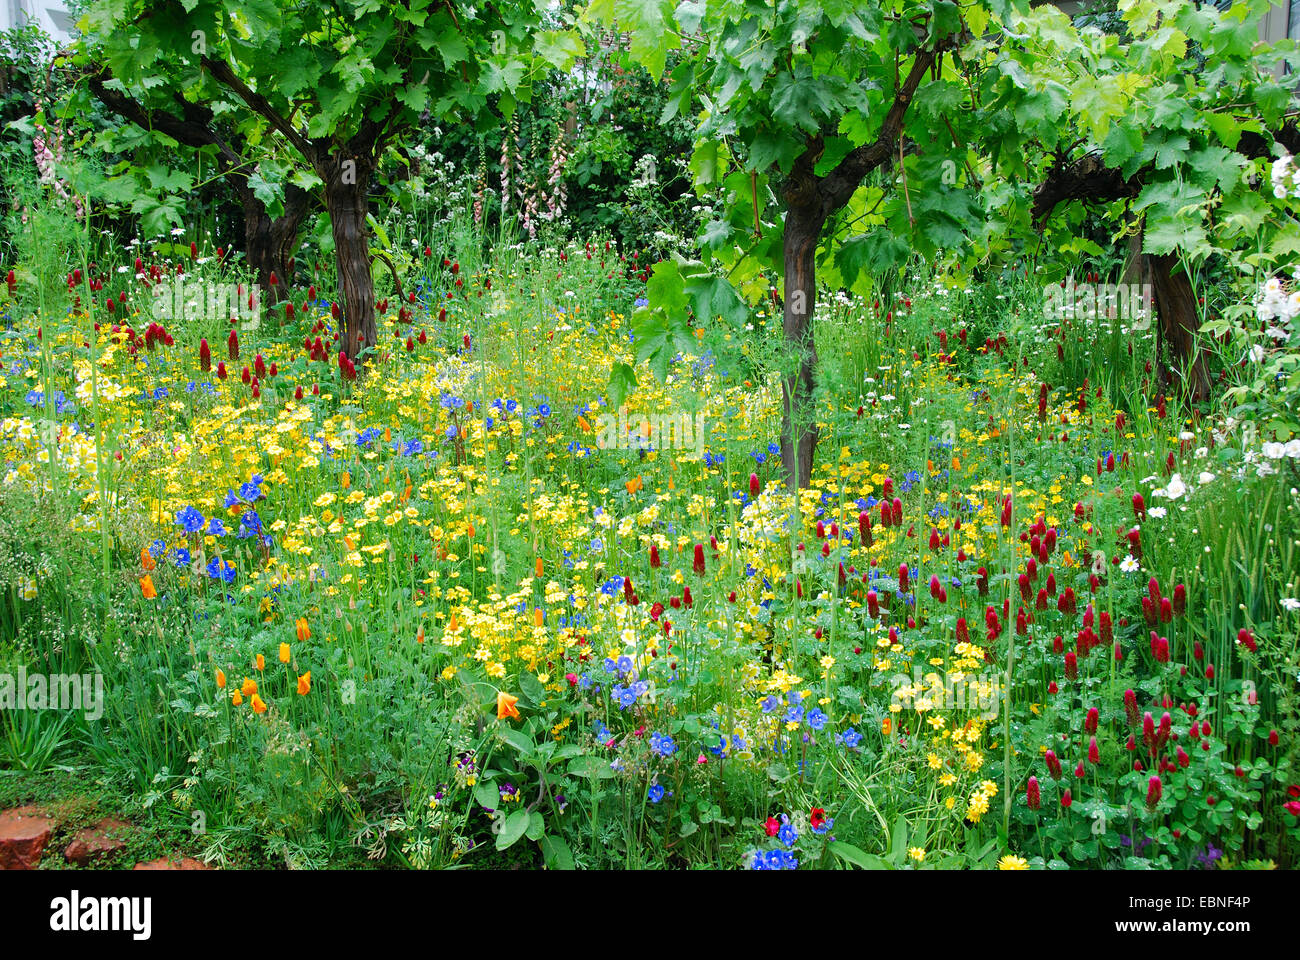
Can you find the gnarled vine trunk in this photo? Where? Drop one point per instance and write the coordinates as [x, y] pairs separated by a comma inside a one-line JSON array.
[[270, 242], [345, 199], [803, 225], [1182, 367]]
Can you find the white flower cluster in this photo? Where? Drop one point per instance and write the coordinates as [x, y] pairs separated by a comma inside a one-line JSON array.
[[1275, 302], [1276, 451], [1270, 451], [1286, 177]]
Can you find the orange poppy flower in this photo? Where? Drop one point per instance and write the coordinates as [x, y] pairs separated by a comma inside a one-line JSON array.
[[634, 484], [302, 630], [538, 567], [538, 617], [261, 662], [146, 587], [506, 705], [284, 653], [146, 559], [419, 634], [249, 687], [221, 679], [259, 705], [470, 531], [346, 480], [236, 699], [886, 725], [304, 684]]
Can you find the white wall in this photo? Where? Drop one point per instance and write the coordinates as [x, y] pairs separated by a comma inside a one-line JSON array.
[[52, 16]]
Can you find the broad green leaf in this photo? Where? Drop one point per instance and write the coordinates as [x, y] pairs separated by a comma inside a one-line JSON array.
[[514, 827], [556, 853], [622, 381], [590, 766], [517, 739], [857, 857]]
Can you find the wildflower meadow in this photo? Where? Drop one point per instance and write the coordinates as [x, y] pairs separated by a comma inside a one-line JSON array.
[[641, 435]]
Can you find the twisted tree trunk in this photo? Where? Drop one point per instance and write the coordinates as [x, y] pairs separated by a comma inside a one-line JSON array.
[[1181, 365], [803, 225], [270, 242], [346, 184]]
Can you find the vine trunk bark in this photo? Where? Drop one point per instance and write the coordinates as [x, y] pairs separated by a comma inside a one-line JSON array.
[[1182, 368], [345, 199], [803, 224]]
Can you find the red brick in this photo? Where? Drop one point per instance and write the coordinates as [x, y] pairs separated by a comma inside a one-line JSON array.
[[24, 832], [102, 840]]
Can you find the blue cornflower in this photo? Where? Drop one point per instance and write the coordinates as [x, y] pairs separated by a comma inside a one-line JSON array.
[[190, 520], [221, 568], [250, 525]]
